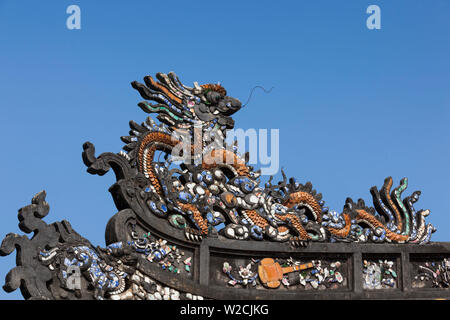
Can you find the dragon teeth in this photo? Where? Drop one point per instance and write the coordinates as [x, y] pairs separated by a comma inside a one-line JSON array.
[[124, 154]]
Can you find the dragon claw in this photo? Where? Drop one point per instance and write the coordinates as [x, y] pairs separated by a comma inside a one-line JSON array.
[[193, 235], [297, 242]]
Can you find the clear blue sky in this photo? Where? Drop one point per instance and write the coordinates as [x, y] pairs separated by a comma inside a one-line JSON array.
[[353, 105]]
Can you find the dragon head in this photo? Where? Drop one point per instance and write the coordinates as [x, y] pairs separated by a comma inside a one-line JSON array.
[[183, 107]]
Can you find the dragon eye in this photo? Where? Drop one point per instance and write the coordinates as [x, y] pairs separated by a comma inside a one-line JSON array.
[[228, 104]]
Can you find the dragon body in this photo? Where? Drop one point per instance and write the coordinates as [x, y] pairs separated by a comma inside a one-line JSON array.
[[214, 192]]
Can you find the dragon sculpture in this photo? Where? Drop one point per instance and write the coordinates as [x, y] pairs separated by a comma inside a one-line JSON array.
[[214, 192]]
